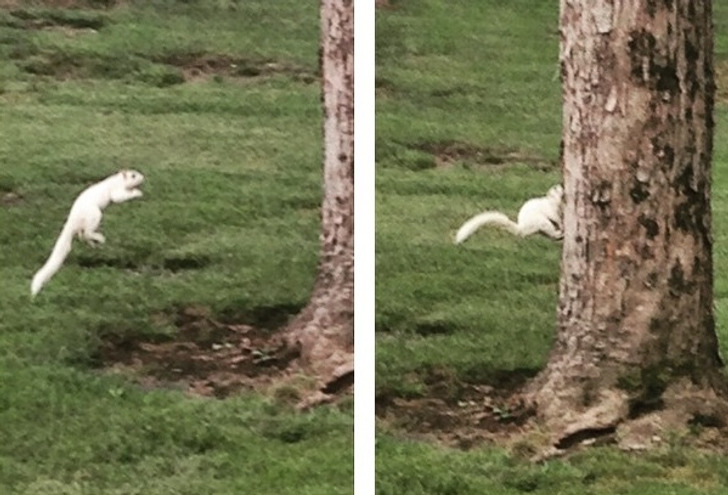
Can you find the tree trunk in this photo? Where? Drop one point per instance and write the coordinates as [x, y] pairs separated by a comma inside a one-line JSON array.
[[636, 340], [325, 328]]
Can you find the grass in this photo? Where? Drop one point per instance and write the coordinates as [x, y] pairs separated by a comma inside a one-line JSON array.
[[482, 77], [417, 468], [229, 220]]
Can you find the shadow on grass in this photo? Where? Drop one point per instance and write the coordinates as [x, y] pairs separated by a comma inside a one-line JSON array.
[[139, 262]]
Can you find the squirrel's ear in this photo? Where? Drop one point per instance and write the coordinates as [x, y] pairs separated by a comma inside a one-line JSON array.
[[124, 174]]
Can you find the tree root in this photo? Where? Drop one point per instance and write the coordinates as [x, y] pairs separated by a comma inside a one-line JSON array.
[[682, 405]]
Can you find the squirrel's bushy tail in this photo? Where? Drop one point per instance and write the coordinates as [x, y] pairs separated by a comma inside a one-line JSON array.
[[55, 260], [496, 217]]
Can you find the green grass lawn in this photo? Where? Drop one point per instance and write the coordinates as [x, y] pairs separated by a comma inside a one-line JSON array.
[[217, 103], [469, 118]]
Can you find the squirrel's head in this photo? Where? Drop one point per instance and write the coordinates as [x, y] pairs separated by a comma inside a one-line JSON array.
[[556, 193], [131, 178]]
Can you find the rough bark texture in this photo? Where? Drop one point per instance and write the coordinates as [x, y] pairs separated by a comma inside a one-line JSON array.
[[325, 328], [635, 330]]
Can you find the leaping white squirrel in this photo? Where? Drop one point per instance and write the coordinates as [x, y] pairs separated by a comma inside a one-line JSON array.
[[85, 217], [541, 215]]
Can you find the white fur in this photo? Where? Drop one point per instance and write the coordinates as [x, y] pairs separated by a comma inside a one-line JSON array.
[[542, 215], [85, 217]]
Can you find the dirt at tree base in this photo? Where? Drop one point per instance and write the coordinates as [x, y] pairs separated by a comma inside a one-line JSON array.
[[212, 358], [457, 413], [467, 415]]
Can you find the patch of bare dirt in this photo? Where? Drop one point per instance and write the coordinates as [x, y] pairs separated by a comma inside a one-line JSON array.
[[10, 198], [459, 413], [202, 67], [71, 23], [206, 356], [384, 87], [465, 414], [386, 4], [62, 4], [449, 153]]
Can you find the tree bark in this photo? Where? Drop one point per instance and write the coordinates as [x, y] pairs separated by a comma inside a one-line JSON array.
[[325, 328], [635, 328]]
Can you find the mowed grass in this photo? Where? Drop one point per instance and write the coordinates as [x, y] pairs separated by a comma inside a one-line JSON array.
[[229, 220], [469, 118]]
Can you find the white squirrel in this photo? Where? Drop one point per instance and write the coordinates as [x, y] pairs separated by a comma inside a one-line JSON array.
[[541, 215], [85, 217]]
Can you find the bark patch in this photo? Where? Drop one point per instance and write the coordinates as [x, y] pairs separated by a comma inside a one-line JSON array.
[[651, 67], [677, 282], [651, 227], [639, 192]]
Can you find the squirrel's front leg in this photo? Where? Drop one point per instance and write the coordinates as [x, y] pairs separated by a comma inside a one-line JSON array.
[[121, 195], [553, 228]]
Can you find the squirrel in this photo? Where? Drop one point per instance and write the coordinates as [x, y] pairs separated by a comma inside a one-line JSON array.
[[85, 217], [541, 215]]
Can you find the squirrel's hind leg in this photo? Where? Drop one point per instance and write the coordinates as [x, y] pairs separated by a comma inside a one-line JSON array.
[[89, 231], [552, 229], [94, 238]]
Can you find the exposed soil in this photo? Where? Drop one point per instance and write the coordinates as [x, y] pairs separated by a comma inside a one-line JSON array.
[[10, 198], [458, 413], [384, 87], [387, 4], [464, 415], [175, 69], [171, 69], [202, 67], [71, 24], [207, 356], [62, 4], [449, 153]]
